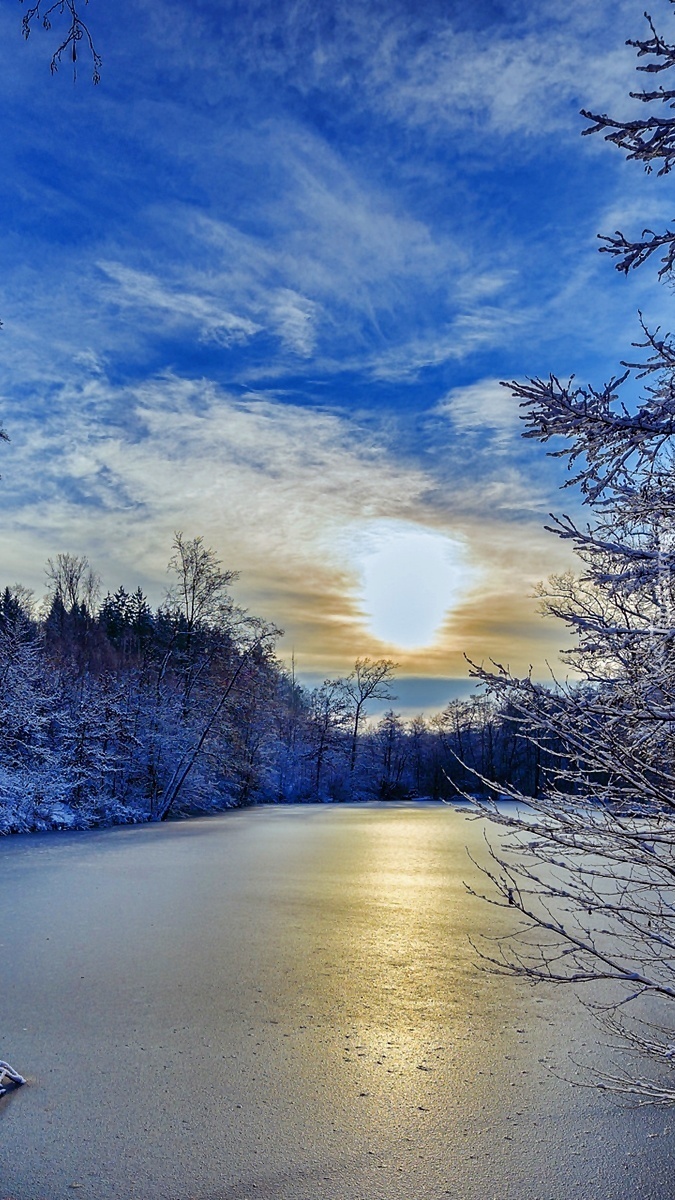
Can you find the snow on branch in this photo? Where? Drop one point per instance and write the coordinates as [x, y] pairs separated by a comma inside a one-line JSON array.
[[649, 140]]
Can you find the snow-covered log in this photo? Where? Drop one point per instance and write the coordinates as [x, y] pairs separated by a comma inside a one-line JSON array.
[[9, 1075]]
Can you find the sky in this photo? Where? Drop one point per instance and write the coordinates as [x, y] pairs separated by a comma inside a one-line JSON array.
[[262, 283]]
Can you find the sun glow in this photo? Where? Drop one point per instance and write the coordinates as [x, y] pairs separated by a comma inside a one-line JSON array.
[[411, 576]]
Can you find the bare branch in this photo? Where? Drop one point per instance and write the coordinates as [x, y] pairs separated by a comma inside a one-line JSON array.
[[77, 32]]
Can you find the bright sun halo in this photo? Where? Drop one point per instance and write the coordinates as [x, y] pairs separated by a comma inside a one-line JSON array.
[[410, 577]]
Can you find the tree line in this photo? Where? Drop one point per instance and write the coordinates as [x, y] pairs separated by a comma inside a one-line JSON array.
[[111, 711]]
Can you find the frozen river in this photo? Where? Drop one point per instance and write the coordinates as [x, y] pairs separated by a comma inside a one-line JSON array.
[[282, 1004]]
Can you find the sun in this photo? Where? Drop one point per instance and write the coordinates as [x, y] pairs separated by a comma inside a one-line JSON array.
[[410, 577]]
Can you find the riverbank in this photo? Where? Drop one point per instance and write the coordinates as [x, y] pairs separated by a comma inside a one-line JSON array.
[[54, 817]]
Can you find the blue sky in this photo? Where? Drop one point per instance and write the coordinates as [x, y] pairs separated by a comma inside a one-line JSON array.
[[261, 285]]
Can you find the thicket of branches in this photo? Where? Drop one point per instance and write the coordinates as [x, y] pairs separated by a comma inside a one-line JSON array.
[[591, 864]]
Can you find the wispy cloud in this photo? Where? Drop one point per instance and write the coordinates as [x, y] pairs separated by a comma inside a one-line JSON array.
[[435, 69], [518, 78], [484, 407], [146, 293], [472, 330], [269, 483], [360, 251], [278, 489]]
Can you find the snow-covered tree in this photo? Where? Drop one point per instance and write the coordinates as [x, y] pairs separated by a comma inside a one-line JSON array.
[[589, 865], [329, 717], [389, 745]]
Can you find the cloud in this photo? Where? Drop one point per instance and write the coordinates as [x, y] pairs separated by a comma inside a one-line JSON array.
[[294, 319], [323, 237], [347, 251], [481, 407], [269, 483], [279, 490], [145, 292], [521, 79], [432, 68], [332, 267], [487, 327]]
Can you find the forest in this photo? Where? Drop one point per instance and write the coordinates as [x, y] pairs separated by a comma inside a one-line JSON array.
[[112, 712]]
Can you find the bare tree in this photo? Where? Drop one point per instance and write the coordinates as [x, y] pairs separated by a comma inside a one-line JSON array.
[[72, 581], [329, 712], [589, 862], [200, 589], [216, 647], [390, 751], [370, 680]]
